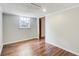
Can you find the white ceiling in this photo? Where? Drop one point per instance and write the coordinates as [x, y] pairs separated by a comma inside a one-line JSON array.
[[27, 9]]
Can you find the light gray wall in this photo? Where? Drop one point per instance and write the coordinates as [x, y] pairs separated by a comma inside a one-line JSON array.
[[62, 29], [1, 44], [12, 32]]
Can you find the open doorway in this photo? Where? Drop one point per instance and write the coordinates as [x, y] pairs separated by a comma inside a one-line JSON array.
[[41, 28]]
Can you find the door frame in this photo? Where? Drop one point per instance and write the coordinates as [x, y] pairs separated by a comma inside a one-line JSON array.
[[40, 28]]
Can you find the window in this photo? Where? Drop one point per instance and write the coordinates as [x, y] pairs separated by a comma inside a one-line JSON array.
[[24, 22]]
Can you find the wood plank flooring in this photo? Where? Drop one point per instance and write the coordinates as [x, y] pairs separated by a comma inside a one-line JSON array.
[[33, 48]]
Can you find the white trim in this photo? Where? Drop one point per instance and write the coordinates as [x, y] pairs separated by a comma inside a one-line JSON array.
[[64, 48], [18, 41]]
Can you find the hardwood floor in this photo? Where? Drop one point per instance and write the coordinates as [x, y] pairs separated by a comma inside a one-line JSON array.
[[33, 48]]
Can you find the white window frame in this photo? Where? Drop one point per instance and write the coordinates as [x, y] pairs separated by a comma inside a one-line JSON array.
[[24, 22]]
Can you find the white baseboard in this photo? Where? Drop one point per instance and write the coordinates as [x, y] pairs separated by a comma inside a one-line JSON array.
[[64, 48], [18, 41]]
